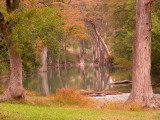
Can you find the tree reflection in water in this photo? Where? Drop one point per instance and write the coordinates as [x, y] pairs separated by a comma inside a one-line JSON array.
[[84, 77]]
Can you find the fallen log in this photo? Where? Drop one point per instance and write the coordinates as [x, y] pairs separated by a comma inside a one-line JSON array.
[[92, 93], [121, 82]]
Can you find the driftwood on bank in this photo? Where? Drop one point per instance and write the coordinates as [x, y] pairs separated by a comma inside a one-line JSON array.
[[92, 93], [121, 82]]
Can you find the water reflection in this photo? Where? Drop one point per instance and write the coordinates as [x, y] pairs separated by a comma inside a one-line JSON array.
[[88, 77]]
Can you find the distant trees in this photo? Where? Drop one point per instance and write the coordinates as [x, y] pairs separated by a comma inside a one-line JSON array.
[[141, 88]]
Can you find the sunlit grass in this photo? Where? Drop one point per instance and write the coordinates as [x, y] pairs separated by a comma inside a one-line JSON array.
[[29, 112]]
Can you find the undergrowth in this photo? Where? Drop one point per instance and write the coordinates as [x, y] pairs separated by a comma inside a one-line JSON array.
[[72, 98]]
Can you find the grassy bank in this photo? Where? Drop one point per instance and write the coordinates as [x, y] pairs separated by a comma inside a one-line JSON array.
[[29, 112], [68, 104]]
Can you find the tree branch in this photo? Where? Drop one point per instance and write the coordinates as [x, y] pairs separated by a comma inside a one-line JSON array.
[[150, 1]]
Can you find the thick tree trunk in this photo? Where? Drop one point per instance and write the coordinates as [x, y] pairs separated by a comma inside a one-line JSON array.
[[141, 89], [15, 89], [44, 60]]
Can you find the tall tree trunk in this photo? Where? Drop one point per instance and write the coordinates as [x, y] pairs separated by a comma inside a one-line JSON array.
[[65, 60], [82, 51], [58, 62], [96, 54], [102, 41], [99, 56], [44, 60], [63, 82], [83, 76], [15, 89], [141, 89], [99, 37], [50, 61], [45, 83], [93, 52]]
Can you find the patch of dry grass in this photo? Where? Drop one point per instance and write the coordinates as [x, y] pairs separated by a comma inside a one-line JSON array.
[[72, 97], [120, 105]]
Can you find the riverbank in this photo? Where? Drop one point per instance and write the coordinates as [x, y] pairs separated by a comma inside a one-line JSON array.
[[119, 97], [68, 104]]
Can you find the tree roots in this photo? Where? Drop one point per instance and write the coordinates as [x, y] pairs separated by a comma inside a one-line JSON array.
[[7, 96], [151, 103]]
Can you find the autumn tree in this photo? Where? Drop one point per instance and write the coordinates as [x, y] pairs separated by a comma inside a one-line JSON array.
[[26, 26], [141, 88], [15, 89], [95, 21]]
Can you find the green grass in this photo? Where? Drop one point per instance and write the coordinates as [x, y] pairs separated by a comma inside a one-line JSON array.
[[29, 112]]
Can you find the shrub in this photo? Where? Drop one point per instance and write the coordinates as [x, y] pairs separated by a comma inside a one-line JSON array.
[[71, 97]]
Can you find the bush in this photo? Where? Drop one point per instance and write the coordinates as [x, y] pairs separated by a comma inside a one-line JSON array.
[[71, 97]]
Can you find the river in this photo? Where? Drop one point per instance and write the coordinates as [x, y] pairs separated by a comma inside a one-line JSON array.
[[88, 77]]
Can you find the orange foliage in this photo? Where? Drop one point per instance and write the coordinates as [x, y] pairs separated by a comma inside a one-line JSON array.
[[70, 96]]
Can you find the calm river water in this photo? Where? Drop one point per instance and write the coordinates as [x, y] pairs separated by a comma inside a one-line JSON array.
[[92, 78]]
